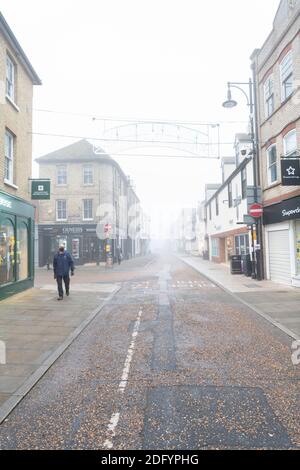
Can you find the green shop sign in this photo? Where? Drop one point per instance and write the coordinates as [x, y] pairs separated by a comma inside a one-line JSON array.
[[40, 189]]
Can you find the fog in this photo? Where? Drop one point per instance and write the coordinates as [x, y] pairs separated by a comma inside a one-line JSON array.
[[164, 60]]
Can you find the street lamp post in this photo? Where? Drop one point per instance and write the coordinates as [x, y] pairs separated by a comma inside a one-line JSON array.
[[257, 271]]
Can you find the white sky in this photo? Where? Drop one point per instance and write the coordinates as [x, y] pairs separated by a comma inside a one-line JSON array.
[[150, 59]]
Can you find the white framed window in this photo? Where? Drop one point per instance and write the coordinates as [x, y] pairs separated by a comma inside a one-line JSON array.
[[10, 78], [244, 183], [215, 247], [9, 158], [88, 174], [61, 175], [88, 209], [272, 164], [241, 243], [286, 76], [290, 143], [269, 96], [61, 209], [217, 205], [230, 199]]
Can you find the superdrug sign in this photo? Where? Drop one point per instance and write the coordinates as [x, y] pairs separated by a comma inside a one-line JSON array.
[[290, 171], [285, 210]]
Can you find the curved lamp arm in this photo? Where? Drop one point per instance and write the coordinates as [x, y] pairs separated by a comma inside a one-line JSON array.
[[231, 85]]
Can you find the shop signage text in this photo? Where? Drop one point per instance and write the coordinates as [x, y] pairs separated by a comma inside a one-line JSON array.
[[72, 230], [285, 210], [40, 189], [5, 203]]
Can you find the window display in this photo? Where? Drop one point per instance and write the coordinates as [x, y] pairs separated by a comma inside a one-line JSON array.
[[298, 247], [7, 251], [22, 251]]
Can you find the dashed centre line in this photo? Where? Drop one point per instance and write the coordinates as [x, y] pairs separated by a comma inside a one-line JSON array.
[[108, 444]]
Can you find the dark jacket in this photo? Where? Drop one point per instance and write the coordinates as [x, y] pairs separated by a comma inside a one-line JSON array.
[[62, 264]]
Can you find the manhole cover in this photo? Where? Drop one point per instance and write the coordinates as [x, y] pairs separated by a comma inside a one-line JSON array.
[[196, 417]]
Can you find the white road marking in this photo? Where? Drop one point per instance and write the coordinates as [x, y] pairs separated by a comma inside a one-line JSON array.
[[108, 444], [112, 429]]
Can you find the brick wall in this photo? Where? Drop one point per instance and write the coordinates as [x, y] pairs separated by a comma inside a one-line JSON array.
[[18, 122], [285, 37]]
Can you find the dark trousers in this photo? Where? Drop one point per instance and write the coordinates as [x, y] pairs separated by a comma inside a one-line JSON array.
[[59, 281]]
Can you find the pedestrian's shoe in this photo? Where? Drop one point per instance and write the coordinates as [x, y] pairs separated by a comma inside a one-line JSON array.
[[67, 294], [59, 298]]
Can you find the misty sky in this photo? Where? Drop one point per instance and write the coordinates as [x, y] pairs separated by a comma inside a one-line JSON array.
[[158, 59]]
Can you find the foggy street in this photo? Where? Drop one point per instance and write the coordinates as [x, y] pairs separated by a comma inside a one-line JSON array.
[[171, 362]]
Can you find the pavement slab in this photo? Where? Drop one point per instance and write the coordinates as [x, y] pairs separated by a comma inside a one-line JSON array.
[[275, 302], [33, 327]]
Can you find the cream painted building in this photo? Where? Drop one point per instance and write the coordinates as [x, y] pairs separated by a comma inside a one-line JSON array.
[[277, 70], [226, 206]]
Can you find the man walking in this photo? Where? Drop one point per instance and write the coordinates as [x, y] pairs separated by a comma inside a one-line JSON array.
[[62, 265]]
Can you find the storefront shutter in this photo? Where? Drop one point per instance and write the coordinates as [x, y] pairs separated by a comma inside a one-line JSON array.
[[279, 257]]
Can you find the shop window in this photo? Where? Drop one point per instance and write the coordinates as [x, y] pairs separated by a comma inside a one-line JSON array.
[[215, 247], [22, 252], [298, 246], [241, 243], [7, 251]]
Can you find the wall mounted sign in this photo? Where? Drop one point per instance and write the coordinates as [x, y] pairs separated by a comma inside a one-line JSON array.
[[40, 189], [285, 210], [290, 171]]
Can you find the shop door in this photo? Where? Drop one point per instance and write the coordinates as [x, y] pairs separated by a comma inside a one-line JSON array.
[[279, 257]]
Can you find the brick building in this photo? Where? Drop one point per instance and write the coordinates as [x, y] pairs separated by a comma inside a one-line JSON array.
[[89, 193], [17, 78], [277, 70]]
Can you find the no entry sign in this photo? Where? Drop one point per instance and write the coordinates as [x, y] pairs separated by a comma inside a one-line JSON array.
[[256, 210]]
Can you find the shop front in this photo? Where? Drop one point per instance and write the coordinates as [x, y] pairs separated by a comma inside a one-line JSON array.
[[16, 245], [282, 241], [80, 240]]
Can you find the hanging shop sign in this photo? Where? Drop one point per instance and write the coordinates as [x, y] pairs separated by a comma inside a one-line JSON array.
[[40, 189], [290, 171], [248, 220]]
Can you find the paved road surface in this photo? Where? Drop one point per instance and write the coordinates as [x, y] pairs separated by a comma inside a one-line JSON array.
[[173, 362]]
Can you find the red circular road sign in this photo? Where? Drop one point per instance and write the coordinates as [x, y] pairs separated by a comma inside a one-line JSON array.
[[256, 210]]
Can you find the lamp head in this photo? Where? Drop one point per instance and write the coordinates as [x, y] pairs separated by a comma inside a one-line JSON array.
[[229, 103]]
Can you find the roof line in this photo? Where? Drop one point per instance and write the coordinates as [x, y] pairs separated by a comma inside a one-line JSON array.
[[244, 163], [14, 43]]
